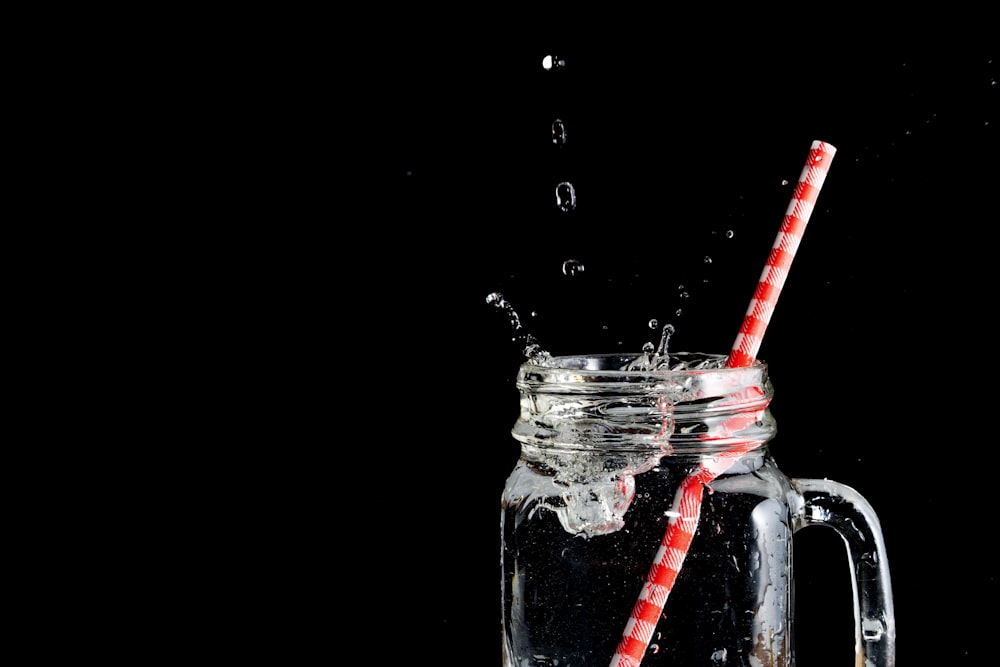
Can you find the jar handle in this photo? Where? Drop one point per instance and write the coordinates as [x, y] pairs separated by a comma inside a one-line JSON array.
[[829, 503]]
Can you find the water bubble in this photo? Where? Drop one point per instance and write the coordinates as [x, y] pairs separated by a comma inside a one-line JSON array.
[[653, 323], [565, 196], [553, 62], [572, 267], [558, 132]]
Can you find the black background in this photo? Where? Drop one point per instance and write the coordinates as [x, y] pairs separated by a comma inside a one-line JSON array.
[[373, 182], [880, 346], [279, 237]]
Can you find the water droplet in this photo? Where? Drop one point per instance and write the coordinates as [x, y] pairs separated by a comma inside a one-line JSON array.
[[496, 299], [668, 331], [872, 629], [553, 62], [558, 132], [729, 233], [719, 657], [684, 295], [565, 196], [707, 260], [653, 323], [679, 312], [572, 267], [784, 181]]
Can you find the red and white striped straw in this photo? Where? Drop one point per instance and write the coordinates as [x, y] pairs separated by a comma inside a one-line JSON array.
[[687, 502], [782, 252]]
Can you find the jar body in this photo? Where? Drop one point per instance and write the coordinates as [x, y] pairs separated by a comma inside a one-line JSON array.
[[568, 594], [609, 461]]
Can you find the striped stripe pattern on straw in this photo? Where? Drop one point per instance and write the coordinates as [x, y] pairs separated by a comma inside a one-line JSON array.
[[772, 279], [687, 502]]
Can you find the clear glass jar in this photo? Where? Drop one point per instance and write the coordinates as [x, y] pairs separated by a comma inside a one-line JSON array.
[[646, 522]]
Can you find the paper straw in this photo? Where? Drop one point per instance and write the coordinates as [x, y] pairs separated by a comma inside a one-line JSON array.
[[772, 279], [687, 502]]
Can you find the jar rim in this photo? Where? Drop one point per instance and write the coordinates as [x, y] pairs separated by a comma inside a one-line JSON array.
[[615, 364]]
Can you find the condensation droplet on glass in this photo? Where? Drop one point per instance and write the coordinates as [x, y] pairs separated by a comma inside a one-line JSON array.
[[558, 132], [565, 196], [572, 267], [553, 62], [872, 629], [653, 323]]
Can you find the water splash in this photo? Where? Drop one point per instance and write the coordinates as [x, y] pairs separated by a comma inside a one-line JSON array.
[[532, 350], [654, 357]]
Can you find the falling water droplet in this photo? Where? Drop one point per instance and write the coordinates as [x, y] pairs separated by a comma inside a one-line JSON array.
[[572, 267], [729, 233], [565, 196], [558, 132], [707, 260], [553, 62], [653, 323]]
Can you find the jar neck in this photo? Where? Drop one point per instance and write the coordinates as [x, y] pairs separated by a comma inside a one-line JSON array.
[[577, 404]]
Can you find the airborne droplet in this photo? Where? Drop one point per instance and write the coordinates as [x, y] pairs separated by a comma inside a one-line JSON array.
[[553, 62], [572, 267], [558, 132], [565, 196]]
